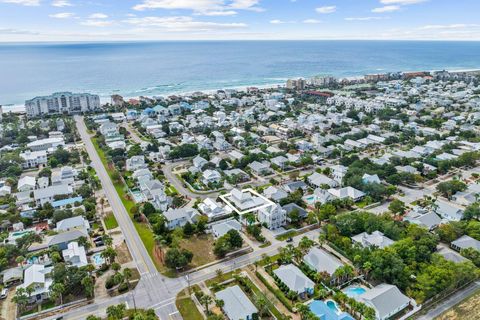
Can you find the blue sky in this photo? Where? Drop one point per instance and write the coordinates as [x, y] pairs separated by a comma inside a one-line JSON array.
[[100, 20]]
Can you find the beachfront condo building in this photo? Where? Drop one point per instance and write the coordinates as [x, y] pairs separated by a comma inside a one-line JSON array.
[[62, 102]]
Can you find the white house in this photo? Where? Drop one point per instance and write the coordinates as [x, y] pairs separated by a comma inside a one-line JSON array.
[[37, 277], [32, 159], [179, 217], [376, 239], [75, 255], [26, 183], [386, 299], [236, 304], [273, 216]]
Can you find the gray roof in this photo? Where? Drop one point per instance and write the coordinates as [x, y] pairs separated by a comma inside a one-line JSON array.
[[65, 237], [222, 228], [466, 242], [187, 213], [237, 306], [294, 278], [451, 255], [376, 238], [385, 299], [428, 220], [292, 206], [51, 191], [320, 260], [12, 274]]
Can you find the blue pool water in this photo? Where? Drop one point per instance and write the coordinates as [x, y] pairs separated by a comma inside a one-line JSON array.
[[354, 291], [332, 305], [97, 259]]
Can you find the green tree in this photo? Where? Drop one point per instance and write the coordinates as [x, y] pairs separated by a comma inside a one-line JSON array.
[[57, 291], [397, 207], [116, 312], [178, 258]]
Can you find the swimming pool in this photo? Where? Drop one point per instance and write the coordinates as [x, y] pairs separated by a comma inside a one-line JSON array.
[[97, 259], [332, 305], [310, 199], [354, 291]]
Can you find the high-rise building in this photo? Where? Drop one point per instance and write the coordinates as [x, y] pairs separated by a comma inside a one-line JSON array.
[[62, 102], [296, 84]]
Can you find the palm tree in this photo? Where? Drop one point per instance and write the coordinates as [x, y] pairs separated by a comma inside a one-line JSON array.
[[127, 275], [57, 291], [21, 298], [109, 255], [219, 303], [116, 312], [107, 240], [262, 304], [305, 244], [206, 300], [88, 284], [304, 310]]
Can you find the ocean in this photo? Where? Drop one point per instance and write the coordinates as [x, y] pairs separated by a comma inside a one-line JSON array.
[[132, 69]]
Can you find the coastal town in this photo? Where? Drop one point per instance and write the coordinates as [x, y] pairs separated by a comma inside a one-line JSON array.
[[323, 198]]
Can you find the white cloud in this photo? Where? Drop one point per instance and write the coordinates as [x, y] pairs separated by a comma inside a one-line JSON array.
[[62, 15], [97, 23], [402, 2], [216, 13], [449, 26], [203, 7], [363, 18], [27, 3], [182, 24], [276, 21], [61, 3], [386, 9], [98, 16], [311, 21], [326, 9]]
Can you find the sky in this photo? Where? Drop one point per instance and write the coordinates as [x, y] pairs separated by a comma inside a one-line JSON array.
[[126, 20]]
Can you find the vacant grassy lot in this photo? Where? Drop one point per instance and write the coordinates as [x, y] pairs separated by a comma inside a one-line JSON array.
[[187, 307], [110, 221], [468, 309], [202, 248]]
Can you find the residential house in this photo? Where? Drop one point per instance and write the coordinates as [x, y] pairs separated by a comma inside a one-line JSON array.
[[425, 218], [136, 163], [37, 278], [319, 180], [236, 304], [75, 255], [295, 280], [273, 216], [211, 176], [279, 161], [321, 261], [48, 194], [179, 217], [448, 210], [221, 228], [367, 178], [293, 186], [26, 183], [302, 213], [260, 168], [347, 192], [375, 239], [73, 223], [469, 196], [213, 209], [275, 193], [465, 242], [32, 159], [386, 299]]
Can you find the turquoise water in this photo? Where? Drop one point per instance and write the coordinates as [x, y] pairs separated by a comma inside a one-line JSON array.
[[354, 291], [332, 305], [160, 68], [98, 260], [309, 199]]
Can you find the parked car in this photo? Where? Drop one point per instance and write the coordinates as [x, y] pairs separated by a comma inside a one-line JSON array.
[[4, 293]]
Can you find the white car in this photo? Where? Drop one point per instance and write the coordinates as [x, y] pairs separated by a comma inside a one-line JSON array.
[[4, 293]]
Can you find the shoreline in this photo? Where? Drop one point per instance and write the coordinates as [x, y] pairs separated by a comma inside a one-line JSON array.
[[20, 108]]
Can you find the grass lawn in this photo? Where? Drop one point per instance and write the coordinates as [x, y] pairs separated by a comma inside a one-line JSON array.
[[171, 191], [202, 248], [466, 309], [110, 221], [287, 235], [187, 307], [143, 229], [219, 279]]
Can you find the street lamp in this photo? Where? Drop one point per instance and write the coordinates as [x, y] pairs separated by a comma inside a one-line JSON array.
[[187, 277]]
